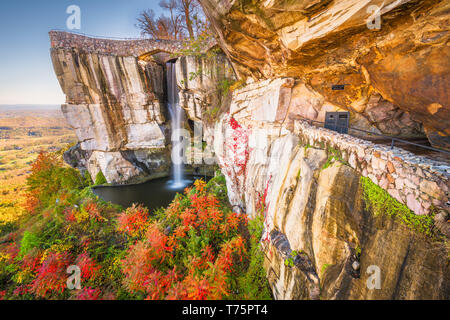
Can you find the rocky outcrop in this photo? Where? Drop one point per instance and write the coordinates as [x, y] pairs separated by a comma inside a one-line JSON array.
[[77, 157], [115, 104], [395, 77], [356, 254], [116, 101], [202, 81], [260, 112], [306, 180], [323, 239]]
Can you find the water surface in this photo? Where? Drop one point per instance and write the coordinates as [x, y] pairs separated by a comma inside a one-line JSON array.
[[153, 194]]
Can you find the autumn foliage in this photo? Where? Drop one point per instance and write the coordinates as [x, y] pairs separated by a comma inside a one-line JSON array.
[[133, 220], [189, 251], [49, 180], [51, 276], [197, 248]]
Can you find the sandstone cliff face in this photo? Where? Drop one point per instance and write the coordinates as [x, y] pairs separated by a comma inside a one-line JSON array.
[[292, 53], [307, 180], [313, 204], [323, 216], [115, 104], [202, 81], [395, 77]]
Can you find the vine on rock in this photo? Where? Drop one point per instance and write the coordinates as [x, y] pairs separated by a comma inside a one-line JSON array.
[[237, 153]]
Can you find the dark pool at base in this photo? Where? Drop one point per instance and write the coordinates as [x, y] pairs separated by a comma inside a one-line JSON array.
[[153, 194]]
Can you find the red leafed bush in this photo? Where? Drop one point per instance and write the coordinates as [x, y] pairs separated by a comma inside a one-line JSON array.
[[190, 252], [32, 261], [12, 250], [94, 211], [32, 201], [236, 153], [21, 290], [234, 247], [69, 214], [134, 220], [88, 293], [51, 276], [89, 269]]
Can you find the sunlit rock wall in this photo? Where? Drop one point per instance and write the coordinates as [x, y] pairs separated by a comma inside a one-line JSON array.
[[306, 180], [395, 77], [116, 106], [116, 102]]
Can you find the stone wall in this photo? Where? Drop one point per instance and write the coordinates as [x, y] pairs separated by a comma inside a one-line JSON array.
[[416, 181], [135, 48], [117, 47]]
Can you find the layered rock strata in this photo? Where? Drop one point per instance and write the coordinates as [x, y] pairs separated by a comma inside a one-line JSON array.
[[306, 180], [390, 56], [115, 104], [116, 101]]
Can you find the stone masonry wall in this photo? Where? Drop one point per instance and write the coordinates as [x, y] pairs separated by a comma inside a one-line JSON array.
[[415, 181], [66, 40]]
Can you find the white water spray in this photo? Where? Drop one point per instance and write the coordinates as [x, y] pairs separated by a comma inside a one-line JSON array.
[[177, 117]]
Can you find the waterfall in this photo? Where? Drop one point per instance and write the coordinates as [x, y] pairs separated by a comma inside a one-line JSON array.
[[176, 117]]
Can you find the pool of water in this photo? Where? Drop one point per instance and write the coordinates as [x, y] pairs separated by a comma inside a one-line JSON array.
[[152, 194]]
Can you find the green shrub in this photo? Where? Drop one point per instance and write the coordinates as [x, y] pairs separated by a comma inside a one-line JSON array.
[[100, 178], [87, 178], [218, 187], [253, 283], [29, 241], [382, 203]]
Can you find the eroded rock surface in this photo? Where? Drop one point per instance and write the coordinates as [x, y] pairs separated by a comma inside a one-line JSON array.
[[330, 224], [116, 101], [115, 104], [395, 78], [307, 181]]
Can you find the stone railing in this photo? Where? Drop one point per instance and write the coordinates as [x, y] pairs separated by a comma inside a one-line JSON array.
[[416, 181], [136, 47]]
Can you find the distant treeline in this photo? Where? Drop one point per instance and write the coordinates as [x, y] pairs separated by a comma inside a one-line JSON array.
[[29, 107]]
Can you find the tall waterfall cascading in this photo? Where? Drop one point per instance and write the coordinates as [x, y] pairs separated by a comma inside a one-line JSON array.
[[176, 117]]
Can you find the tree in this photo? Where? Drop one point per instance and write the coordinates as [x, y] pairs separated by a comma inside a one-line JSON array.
[[184, 19], [161, 27], [190, 10], [175, 22]]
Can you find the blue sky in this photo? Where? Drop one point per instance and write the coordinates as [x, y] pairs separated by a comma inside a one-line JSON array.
[[26, 72]]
